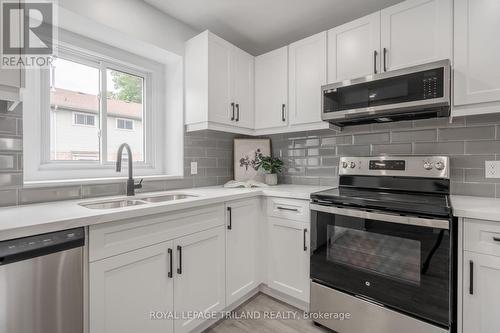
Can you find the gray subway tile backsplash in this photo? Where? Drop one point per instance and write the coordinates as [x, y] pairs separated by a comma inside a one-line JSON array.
[[311, 158], [468, 141]]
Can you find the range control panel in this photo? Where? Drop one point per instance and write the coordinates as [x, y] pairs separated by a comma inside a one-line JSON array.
[[409, 166]]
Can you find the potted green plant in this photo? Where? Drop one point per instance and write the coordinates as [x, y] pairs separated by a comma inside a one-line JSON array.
[[272, 166]]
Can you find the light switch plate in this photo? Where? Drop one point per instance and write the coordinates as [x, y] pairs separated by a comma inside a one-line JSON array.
[[492, 169], [194, 168]]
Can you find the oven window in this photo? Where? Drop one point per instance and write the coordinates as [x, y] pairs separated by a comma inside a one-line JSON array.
[[405, 267], [388, 256]]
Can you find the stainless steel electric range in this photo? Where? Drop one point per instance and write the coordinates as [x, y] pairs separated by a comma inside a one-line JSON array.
[[383, 247]]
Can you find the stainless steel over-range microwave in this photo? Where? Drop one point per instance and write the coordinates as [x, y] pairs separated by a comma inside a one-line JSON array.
[[411, 93]]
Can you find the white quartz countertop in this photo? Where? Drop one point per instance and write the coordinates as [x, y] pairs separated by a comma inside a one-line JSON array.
[[476, 207], [21, 221]]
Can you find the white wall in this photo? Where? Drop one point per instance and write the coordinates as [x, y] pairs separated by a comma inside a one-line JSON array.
[[136, 19]]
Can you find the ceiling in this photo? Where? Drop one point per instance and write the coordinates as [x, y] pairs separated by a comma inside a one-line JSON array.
[[258, 26]]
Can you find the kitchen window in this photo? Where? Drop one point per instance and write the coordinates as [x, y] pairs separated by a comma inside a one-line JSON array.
[[86, 105]]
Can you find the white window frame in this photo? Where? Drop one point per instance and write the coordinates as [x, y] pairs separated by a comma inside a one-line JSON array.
[[74, 123], [39, 170], [125, 120]]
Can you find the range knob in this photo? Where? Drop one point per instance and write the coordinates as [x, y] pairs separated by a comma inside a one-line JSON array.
[[353, 165], [428, 165], [345, 165], [439, 165]]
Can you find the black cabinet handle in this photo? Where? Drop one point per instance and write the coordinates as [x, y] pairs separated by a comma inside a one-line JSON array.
[[232, 113], [385, 59], [170, 255], [471, 277], [230, 225], [283, 112], [286, 208], [237, 112], [305, 246], [179, 269], [496, 239], [375, 53]]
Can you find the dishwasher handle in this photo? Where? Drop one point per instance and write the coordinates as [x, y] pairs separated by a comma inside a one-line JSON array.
[[25, 248]]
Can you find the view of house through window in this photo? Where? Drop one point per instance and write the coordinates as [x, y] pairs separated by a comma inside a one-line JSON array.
[[74, 112], [76, 132], [125, 110]]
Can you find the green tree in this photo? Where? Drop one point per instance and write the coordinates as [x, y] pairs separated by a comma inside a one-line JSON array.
[[127, 87]]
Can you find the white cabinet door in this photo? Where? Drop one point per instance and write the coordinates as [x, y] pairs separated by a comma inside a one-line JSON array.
[[415, 32], [354, 49], [289, 257], [271, 89], [124, 289], [10, 78], [219, 80], [477, 51], [242, 77], [199, 275], [481, 298], [307, 73], [241, 248]]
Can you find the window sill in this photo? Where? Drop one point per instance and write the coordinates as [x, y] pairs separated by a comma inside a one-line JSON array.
[[91, 181]]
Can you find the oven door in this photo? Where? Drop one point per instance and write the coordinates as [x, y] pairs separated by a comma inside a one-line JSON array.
[[400, 262]]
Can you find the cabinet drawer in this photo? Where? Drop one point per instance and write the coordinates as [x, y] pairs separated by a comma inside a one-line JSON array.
[[109, 239], [290, 209], [482, 236]]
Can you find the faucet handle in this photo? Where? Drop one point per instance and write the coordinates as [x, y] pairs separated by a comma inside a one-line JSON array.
[[140, 184]]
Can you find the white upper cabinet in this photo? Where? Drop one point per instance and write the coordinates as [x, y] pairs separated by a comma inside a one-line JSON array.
[[10, 81], [271, 89], [416, 32], [477, 51], [354, 49], [219, 80], [219, 85], [307, 73], [242, 67]]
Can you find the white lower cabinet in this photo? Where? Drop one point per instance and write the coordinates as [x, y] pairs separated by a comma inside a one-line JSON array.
[[126, 288], [241, 248], [199, 283], [182, 276], [288, 265], [481, 294]]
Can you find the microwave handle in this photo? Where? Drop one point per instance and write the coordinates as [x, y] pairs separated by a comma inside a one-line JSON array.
[[357, 114]]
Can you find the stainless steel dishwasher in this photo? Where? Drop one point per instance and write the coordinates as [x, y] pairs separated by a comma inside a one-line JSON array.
[[41, 283]]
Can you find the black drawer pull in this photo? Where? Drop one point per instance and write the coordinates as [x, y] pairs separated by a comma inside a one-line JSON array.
[[286, 208], [375, 62], [283, 112], [170, 255], [179, 269], [305, 244], [496, 239], [232, 108], [230, 225], [471, 277]]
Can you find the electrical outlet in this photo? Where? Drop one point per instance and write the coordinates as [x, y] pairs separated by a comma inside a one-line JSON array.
[[492, 169], [194, 168]]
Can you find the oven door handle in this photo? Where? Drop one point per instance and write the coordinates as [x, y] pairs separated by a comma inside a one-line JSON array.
[[410, 220]]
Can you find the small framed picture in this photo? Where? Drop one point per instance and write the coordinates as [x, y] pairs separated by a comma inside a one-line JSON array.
[[246, 155]]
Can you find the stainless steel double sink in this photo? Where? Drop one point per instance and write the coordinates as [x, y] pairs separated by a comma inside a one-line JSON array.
[[128, 202]]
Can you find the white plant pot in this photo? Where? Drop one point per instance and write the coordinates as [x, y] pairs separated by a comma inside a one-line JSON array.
[[271, 178]]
